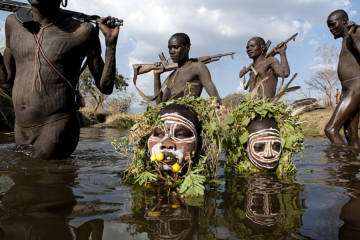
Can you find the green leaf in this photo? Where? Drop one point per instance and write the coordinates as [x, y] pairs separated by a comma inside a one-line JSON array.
[[244, 137], [145, 177], [193, 184], [246, 121], [229, 119]]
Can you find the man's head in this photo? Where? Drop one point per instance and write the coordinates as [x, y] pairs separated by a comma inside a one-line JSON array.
[[336, 22], [179, 47], [178, 138], [264, 144], [46, 4], [255, 47]]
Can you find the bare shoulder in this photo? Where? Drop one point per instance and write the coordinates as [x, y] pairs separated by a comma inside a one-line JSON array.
[[198, 65], [11, 21], [272, 60]]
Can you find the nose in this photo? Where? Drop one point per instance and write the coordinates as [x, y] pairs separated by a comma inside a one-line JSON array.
[[269, 153], [168, 145]]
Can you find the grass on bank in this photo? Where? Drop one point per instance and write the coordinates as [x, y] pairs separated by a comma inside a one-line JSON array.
[[313, 123]]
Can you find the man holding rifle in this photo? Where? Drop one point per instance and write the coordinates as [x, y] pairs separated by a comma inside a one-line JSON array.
[[44, 52], [187, 72], [265, 70]]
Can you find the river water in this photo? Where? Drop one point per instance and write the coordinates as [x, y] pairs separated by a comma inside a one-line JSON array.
[[83, 198]]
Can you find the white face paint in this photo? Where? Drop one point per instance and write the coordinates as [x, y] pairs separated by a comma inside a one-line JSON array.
[[176, 139], [264, 149]]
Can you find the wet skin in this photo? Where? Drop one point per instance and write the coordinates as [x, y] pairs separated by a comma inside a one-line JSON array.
[[177, 140], [346, 113], [264, 144], [188, 72], [40, 95], [266, 67]]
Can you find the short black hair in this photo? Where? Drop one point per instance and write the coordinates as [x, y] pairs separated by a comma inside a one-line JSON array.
[[341, 12], [183, 36]]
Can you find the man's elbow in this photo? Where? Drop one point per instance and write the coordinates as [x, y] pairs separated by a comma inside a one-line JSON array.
[[107, 89]]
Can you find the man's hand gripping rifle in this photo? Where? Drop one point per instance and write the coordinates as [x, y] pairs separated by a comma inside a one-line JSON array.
[[272, 53], [13, 6], [170, 66]]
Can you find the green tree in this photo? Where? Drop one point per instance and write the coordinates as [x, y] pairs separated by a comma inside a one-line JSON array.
[[90, 92], [233, 99]]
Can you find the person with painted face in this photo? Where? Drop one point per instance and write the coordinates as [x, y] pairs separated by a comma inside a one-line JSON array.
[[44, 53], [187, 72], [178, 138], [264, 144], [346, 113], [268, 69]]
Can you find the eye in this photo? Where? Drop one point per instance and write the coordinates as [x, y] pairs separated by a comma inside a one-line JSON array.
[[259, 147], [158, 133], [182, 132], [276, 147]]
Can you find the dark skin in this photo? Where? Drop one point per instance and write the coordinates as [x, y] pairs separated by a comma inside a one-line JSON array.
[[43, 100], [260, 124], [266, 67], [346, 113], [187, 72]]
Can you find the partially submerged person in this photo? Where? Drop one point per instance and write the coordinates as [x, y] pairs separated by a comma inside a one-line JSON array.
[[346, 113], [264, 144], [43, 58], [265, 80], [177, 139], [195, 73]]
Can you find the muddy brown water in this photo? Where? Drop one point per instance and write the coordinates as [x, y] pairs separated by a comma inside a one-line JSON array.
[[83, 198]]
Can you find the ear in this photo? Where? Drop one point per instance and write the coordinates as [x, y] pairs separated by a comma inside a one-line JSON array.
[[188, 47], [263, 48]]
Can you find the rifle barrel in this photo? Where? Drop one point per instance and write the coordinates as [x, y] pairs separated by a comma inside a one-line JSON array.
[[292, 37], [13, 6]]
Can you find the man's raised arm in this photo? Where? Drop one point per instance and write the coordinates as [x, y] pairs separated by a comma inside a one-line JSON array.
[[104, 73], [281, 69]]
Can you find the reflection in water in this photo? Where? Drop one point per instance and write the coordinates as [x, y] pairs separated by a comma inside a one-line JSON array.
[[38, 206], [259, 205], [347, 175], [255, 206], [83, 198]]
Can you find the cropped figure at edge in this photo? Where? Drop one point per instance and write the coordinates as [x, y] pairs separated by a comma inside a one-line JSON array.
[[43, 59], [346, 113]]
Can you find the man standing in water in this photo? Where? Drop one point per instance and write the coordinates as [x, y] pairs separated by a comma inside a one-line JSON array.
[[346, 113], [44, 52], [187, 72], [268, 70]]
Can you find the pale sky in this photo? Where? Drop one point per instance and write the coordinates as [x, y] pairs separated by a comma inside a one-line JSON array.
[[214, 27]]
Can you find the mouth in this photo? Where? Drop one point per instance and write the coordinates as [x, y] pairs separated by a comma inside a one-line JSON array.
[[169, 159]]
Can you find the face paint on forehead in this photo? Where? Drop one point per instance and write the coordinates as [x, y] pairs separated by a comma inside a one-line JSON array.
[[175, 118], [268, 158]]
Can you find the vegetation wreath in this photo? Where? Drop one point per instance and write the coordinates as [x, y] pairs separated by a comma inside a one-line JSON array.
[[143, 170], [237, 136], [218, 131]]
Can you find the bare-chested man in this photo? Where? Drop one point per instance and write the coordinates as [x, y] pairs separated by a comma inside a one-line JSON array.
[[43, 59], [268, 69], [346, 113], [187, 72]]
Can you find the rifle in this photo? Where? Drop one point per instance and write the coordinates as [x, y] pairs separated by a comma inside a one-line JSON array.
[[269, 54], [170, 66], [13, 6]]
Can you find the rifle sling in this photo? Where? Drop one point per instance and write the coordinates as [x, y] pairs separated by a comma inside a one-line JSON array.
[[136, 70]]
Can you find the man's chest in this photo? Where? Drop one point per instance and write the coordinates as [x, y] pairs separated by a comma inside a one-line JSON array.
[[54, 45]]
